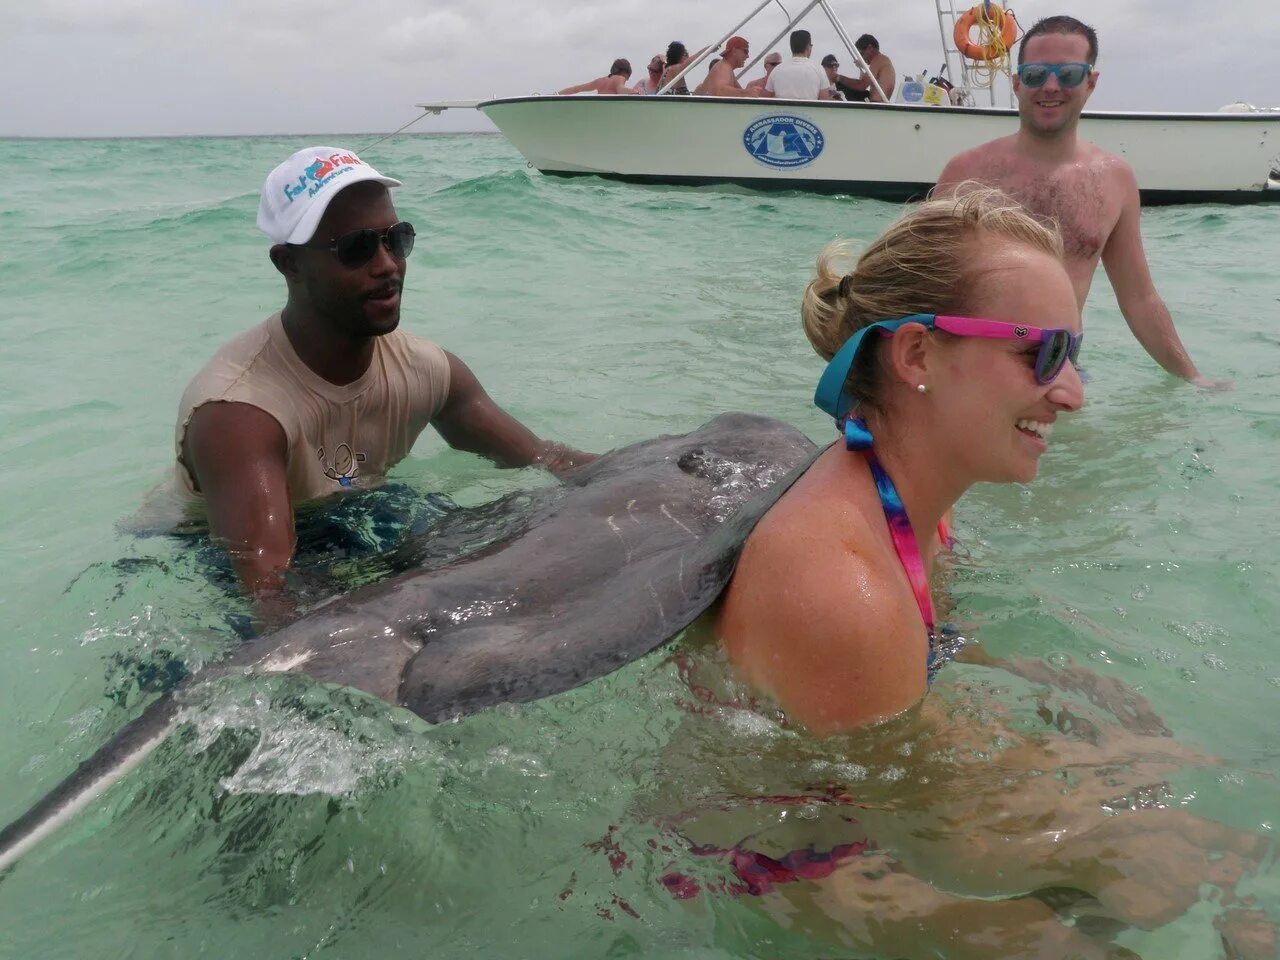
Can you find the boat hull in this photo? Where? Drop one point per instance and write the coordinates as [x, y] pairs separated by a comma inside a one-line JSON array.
[[887, 151]]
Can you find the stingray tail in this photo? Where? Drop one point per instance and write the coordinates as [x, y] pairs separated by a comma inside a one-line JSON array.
[[90, 780]]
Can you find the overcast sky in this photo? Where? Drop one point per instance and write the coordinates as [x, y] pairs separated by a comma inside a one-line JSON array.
[[164, 67]]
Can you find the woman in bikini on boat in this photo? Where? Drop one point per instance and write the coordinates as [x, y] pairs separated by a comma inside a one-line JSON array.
[[951, 346]]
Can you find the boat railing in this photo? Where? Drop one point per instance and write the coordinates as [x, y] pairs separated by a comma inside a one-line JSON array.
[[953, 66], [764, 51]]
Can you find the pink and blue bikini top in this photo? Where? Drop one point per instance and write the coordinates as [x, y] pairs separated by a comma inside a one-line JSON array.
[[858, 439]]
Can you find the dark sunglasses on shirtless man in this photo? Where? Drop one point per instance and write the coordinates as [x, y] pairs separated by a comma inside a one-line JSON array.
[[358, 247]]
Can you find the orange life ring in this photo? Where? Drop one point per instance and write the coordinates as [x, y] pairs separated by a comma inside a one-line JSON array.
[[971, 18]]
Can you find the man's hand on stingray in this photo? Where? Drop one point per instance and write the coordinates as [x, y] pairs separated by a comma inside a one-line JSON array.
[[273, 610], [557, 458]]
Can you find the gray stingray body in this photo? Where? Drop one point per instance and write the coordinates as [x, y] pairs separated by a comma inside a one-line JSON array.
[[588, 577]]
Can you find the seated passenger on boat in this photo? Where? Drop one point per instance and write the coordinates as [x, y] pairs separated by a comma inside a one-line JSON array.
[[842, 87], [678, 58], [722, 80], [615, 82], [952, 345], [798, 78], [650, 85], [702, 88], [755, 86]]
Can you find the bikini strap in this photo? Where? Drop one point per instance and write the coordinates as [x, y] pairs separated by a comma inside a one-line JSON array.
[[858, 438]]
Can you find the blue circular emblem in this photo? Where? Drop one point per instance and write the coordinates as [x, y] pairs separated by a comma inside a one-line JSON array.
[[782, 140], [913, 91]]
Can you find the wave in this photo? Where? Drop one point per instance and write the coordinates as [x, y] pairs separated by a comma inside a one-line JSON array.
[[149, 216]]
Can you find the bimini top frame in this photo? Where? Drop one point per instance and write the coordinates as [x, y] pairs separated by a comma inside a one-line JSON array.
[[824, 5]]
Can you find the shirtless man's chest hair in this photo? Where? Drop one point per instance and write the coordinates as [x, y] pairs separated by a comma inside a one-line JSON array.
[[1083, 197]]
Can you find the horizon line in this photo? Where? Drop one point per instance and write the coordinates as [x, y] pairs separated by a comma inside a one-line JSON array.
[[241, 136]]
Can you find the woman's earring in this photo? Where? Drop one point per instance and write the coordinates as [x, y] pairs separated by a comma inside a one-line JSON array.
[[922, 389]]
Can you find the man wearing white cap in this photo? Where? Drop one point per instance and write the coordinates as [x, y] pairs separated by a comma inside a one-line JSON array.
[[327, 394]]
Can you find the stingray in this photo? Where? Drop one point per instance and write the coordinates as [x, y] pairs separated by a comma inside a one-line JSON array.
[[571, 583]]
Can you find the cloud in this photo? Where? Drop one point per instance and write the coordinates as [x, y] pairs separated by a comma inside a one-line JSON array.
[[428, 37], [116, 16], [265, 66]]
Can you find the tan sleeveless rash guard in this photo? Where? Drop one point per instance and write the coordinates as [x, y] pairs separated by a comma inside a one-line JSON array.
[[340, 437]]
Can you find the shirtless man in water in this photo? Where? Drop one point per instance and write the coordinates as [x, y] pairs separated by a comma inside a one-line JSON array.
[[1092, 194]]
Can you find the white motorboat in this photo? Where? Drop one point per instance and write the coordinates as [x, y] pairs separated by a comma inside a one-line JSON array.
[[891, 151]]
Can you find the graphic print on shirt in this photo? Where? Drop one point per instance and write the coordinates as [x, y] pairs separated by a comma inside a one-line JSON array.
[[344, 466]]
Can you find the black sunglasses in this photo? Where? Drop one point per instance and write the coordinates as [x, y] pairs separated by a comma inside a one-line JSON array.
[[358, 247]]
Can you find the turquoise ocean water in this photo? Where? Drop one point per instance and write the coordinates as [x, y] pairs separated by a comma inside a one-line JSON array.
[[289, 820]]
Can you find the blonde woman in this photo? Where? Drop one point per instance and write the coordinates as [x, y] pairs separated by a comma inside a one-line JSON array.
[[952, 343]]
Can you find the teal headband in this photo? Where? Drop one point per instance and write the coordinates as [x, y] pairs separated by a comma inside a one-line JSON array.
[[832, 395]]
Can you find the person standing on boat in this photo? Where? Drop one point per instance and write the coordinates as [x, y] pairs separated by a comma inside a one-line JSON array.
[[327, 394], [756, 85], [652, 83], [868, 48], [615, 82], [840, 84], [722, 80], [1091, 194], [798, 78]]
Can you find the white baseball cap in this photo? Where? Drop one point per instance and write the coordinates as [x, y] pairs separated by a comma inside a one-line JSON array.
[[298, 191]]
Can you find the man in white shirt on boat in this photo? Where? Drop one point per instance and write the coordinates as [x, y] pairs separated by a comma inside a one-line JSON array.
[[615, 82], [722, 80], [1091, 194], [798, 78]]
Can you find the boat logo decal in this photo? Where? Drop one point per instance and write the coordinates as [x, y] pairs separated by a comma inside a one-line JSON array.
[[783, 140]]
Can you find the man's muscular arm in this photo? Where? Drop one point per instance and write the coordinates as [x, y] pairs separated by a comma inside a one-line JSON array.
[[237, 455], [1141, 305], [471, 421], [589, 86]]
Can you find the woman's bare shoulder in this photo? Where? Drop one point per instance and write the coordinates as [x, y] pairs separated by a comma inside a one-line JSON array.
[[816, 614], [818, 521], [831, 634]]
